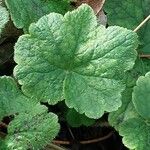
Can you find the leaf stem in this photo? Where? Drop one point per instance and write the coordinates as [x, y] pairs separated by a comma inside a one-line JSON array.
[[84, 142], [144, 56], [54, 147], [142, 23]]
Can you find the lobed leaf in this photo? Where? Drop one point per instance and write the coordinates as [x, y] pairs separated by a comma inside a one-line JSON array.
[[73, 58], [32, 130]]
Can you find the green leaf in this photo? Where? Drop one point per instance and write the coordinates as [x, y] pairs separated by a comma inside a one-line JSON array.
[[130, 14], [11, 99], [127, 109], [73, 58], [32, 130], [4, 18], [125, 112], [24, 12], [2, 144], [133, 128], [141, 67], [136, 133], [75, 119], [141, 96]]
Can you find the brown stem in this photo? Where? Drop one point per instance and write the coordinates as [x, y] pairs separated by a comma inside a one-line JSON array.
[[61, 142], [144, 55], [84, 142], [54, 147]]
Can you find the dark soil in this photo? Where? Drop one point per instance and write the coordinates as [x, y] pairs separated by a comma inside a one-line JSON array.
[[113, 142]]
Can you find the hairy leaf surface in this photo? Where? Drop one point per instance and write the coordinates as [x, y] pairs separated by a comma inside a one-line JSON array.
[[73, 58], [2, 144], [11, 99], [125, 112], [4, 18], [129, 14], [32, 130], [141, 96], [127, 120], [24, 12], [136, 133], [127, 109]]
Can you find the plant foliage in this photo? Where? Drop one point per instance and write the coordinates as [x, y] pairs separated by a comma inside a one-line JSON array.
[[4, 18], [64, 55], [12, 100], [74, 61], [32, 130], [33, 127], [75, 119]]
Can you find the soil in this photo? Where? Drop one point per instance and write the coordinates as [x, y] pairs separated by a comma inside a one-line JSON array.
[[112, 142]]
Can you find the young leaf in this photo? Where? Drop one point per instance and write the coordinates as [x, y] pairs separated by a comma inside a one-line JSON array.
[[125, 112], [73, 58], [24, 12], [11, 99], [136, 133], [76, 120], [4, 18], [130, 14], [141, 96], [32, 130]]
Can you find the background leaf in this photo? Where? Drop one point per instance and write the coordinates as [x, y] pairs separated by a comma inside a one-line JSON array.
[[4, 18], [32, 130], [11, 99], [136, 133], [25, 12], [130, 14], [141, 96], [132, 121], [75, 119], [125, 112], [2, 144]]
